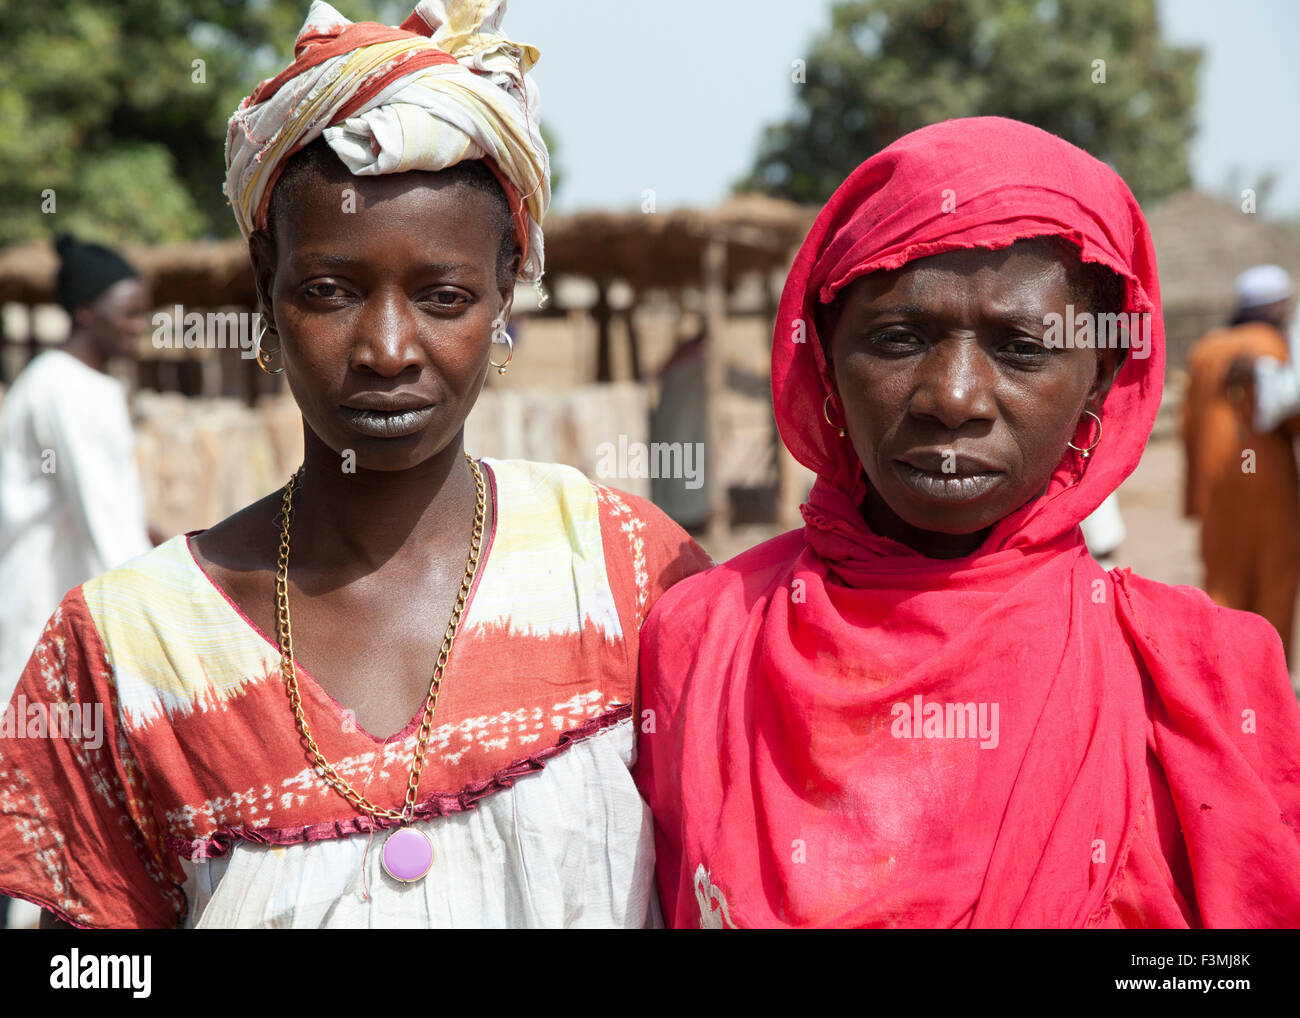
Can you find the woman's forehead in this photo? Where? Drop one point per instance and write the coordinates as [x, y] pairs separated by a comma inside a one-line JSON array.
[[1022, 268], [310, 192], [407, 210]]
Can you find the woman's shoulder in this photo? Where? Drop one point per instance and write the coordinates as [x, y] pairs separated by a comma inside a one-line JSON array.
[[542, 503], [1183, 618], [151, 576], [145, 587], [568, 486], [734, 585], [154, 592], [132, 626], [556, 495], [1187, 639], [555, 502], [162, 607], [1226, 728]]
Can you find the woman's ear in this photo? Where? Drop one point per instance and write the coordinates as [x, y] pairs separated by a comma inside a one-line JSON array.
[[507, 302], [1109, 362], [829, 356], [261, 252], [508, 291]]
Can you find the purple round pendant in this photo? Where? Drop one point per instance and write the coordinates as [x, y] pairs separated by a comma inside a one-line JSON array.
[[407, 855]]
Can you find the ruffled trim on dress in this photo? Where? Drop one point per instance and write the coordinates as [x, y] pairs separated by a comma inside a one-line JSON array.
[[439, 804]]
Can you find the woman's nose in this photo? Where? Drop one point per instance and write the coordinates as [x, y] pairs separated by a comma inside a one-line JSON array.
[[955, 383], [387, 336]]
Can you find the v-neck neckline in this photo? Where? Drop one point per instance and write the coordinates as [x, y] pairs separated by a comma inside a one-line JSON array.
[[305, 676]]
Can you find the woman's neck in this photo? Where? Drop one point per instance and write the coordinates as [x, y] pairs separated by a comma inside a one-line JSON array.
[[361, 518], [884, 521]]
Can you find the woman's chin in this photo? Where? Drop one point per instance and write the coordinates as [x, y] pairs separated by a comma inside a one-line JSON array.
[[950, 516], [362, 452]]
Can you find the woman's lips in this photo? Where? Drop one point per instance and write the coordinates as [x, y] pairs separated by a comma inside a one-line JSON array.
[[951, 486], [387, 423]]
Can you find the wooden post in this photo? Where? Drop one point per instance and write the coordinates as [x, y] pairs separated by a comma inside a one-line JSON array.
[[633, 338], [714, 273], [602, 314]]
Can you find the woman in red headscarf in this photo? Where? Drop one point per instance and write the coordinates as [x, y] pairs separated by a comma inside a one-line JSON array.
[[930, 706]]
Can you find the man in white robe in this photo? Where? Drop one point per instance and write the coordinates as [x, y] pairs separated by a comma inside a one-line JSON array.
[[71, 505]]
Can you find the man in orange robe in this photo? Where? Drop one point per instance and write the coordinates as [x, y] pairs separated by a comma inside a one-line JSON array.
[[1242, 481]]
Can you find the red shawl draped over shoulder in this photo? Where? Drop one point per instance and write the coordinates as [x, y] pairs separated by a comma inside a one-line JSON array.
[[846, 732]]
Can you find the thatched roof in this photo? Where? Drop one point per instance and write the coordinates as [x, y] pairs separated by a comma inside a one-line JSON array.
[[204, 273], [665, 249], [655, 250], [1202, 243]]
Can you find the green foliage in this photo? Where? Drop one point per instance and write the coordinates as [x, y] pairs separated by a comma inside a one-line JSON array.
[[553, 150], [106, 105], [887, 67], [131, 185]]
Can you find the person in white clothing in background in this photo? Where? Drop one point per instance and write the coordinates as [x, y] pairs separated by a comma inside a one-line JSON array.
[[70, 499], [1271, 295], [71, 505]]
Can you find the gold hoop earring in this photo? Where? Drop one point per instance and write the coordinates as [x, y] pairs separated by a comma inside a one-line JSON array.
[[1085, 453], [499, 334], [826, 412], [264, 356]]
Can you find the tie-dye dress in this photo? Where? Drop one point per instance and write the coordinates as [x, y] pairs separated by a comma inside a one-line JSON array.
[[151, 774]]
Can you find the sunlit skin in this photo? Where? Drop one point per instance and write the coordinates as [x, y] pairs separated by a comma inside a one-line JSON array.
[[111, 325], [947, 355], [395, 300]]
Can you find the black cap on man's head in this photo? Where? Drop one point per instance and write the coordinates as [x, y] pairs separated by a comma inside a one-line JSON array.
[[87, 270]]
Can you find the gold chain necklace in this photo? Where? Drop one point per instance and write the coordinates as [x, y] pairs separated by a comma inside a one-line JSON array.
[[408, 854]]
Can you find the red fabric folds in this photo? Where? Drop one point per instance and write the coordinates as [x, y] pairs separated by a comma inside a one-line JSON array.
[[797, 769]]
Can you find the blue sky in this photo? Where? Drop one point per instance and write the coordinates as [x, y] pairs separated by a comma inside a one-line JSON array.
[[673, 96]]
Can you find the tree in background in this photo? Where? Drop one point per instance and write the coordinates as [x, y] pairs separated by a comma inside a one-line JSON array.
[[117, 112], [887, 67]]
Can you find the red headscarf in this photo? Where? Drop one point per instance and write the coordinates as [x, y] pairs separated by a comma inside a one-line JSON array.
[[792, 758]]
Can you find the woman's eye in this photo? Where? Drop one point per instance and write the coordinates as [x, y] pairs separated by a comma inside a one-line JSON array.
[[1025, 349], [324, 290], [896, 339], [447, 298]]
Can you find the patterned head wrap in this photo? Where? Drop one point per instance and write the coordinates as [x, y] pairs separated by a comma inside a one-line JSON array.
[[445, 87]]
